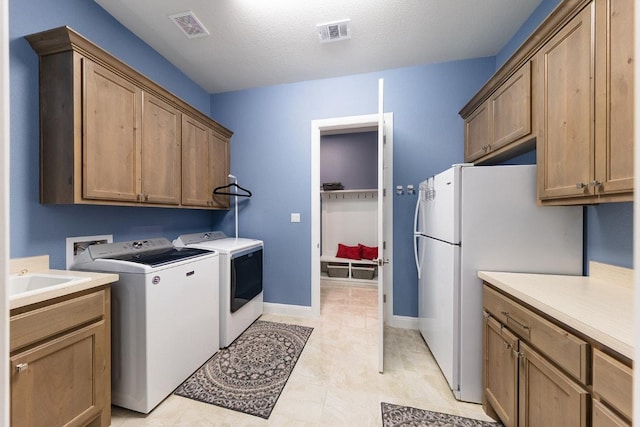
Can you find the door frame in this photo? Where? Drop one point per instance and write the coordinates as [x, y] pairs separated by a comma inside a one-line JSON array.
[[341, 125]]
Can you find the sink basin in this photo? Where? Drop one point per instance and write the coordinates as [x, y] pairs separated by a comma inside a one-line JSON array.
[[28, 284]]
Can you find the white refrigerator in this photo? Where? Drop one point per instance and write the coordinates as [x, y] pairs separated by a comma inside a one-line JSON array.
[[471, 218]]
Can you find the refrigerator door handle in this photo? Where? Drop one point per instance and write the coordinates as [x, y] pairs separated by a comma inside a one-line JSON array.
[[416, 231], [415, 214], [416, 236]]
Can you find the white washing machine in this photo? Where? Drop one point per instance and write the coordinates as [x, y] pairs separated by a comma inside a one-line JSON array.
[[241, 270], [163, 325]]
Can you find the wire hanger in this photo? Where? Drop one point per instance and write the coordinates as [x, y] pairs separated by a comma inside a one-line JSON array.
[[246, 193]]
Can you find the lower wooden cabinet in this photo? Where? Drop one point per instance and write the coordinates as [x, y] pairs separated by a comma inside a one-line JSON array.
[[500, 372], [604, 417], [548, 397], [528, 383], [60, 363]]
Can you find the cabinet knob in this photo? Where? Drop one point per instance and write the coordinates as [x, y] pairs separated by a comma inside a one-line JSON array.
[[595, 183], [21, 367], [580, 185]]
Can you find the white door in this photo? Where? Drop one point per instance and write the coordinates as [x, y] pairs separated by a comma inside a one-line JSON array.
[[381, 241]]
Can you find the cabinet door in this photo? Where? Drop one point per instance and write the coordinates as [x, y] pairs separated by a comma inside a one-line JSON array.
[[511, 108], [566, 111], [220, 170], [501, 371], [161, 153], [111, 143], [477, 133], [614, 108], [197, 158], [603, 417], [60, 382], [547, 396]]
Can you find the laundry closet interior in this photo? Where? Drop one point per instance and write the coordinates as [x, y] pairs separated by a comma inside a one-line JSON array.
[[349, 215]]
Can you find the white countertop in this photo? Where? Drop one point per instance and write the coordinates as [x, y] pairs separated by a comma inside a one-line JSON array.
[[40, 264], [596, 307]]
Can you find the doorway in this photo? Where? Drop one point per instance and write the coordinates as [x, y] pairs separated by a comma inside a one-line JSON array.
[[345, 125]]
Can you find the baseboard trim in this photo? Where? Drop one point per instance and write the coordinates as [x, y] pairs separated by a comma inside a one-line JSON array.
[[288, 310], [403, 322]]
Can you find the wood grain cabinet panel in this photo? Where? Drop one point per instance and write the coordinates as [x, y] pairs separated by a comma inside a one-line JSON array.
[[60, 363], [613, 382], [614, 96], [604, 417], [111, 143], [111, 136], [500, 372], [205, 165], [566, 131], [161, 155], [477, 133], [511, 109], [502, 124], [547, 396]]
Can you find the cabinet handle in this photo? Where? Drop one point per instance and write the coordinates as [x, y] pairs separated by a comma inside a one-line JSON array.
[[580, 185], [595, 183], [21, 367], [146, 197], [522, 325]]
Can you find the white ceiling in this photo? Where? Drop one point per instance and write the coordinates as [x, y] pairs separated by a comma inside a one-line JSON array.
[[260, 43]]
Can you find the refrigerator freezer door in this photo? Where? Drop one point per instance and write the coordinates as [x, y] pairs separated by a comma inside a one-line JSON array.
[[439, 215], [438, 306]]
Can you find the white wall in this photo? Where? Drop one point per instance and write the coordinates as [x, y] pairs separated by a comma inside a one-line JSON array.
[[349, 218], [4, 211]]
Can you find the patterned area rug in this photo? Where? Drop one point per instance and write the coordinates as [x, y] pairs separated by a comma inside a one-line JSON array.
[[249, 375], [406, 416]]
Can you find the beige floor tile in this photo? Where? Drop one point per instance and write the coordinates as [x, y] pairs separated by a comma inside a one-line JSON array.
[[336, 380]]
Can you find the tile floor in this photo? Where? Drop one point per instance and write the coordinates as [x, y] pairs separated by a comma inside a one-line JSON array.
[[335, 382]]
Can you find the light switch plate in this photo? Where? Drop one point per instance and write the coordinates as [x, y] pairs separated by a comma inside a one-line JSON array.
[[295, 217]]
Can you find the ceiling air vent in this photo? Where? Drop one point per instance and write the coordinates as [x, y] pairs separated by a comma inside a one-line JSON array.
[[334, 31], [189, 24]]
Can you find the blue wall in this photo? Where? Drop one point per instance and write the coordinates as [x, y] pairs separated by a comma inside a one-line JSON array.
[[37, 229], [271, 155]]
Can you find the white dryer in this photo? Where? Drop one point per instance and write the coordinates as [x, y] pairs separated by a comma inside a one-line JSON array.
[[241, 271], [164, 326]]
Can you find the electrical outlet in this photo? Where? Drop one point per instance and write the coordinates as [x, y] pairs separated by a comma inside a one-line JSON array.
[[295, 217]]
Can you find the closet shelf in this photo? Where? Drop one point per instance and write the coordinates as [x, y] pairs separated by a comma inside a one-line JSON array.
[[365, 194]]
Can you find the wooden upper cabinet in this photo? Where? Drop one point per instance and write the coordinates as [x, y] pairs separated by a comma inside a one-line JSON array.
[[111, 136], [205, 165], [500, 127], [220, 173], [585, 149], [477, 133], [511, 109], [567, 92], [614, 96], [161, 153], [111, 143], [566, 129]]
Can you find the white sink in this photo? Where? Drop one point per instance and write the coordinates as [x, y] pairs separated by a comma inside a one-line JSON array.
[[28, 284]]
